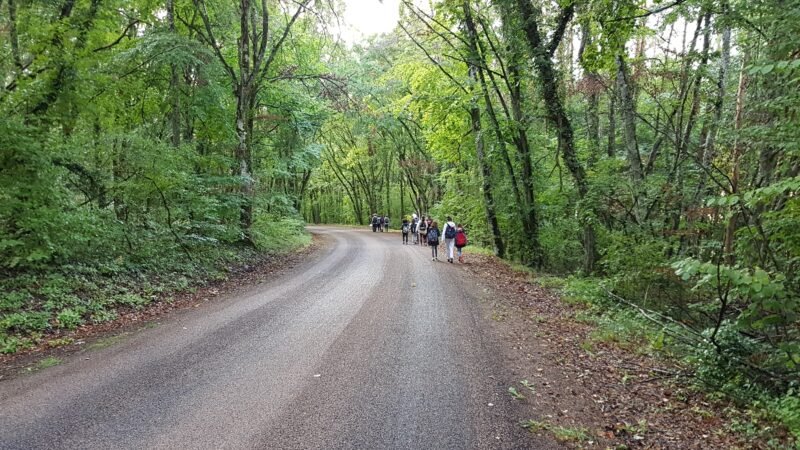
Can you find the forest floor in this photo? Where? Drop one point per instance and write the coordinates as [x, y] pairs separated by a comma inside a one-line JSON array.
[[588, 391]]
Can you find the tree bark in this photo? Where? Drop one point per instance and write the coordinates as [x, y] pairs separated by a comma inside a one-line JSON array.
[[612, 126], [543, 63], [175, 114], [628, 110], [736, 151], [475, 117]]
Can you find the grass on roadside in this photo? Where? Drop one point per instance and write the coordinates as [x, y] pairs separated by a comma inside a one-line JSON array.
[[562, 434]]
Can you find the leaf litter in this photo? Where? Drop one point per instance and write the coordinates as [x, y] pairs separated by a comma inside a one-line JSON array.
[[598, 395]]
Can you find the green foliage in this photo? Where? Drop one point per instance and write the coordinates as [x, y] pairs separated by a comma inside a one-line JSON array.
[[564, 434], [787, 409], [69, 318], [280, 234], [25, 322]]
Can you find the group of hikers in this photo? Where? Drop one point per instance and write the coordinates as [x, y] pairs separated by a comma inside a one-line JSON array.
[[379, 223], [425, 231]]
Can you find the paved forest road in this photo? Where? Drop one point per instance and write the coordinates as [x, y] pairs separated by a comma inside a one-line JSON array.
[[368, 345]]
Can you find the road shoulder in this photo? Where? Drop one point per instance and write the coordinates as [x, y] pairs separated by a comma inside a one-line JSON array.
[[585, 392]]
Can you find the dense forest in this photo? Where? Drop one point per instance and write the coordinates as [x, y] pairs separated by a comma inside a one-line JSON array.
[[648, 150]]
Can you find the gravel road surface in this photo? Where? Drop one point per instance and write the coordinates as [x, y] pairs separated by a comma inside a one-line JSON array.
[[367, 345]]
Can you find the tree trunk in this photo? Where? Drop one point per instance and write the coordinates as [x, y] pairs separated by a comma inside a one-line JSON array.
[[475, 116], [592, 86], [730, 230], [244, 158], [628, 110], [709, 134], [612, 125], [175, 114], [531, 252], [555, 112]]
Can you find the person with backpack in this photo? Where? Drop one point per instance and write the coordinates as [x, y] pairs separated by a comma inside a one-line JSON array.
[[386, 224], [381, 220], [414, 231], [433, 240], [423, 231], [405, 229], [449, 238], [374, 222], [461, 242]]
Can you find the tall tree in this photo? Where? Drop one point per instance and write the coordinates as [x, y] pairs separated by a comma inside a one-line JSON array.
[[257, 46]]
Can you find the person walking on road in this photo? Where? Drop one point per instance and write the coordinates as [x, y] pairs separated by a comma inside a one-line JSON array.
[[405, 228], [375, 221], [433, 240], [386, 224], [461, 242], [423, 231], [414, 230], [449, 233]]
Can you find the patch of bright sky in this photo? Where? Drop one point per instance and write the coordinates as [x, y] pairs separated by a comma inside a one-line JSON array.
[[364, 18]]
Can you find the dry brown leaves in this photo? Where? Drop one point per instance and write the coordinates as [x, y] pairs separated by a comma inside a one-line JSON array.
[[622, 399]]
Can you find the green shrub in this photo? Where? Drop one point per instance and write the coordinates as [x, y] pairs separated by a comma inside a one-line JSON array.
[[131, 300], [9, 344], [69, 319], [787, 409], [279, 234], [103, 315], [13, 301], [24, 322]]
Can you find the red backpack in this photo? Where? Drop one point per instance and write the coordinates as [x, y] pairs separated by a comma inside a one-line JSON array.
[[461, 238]]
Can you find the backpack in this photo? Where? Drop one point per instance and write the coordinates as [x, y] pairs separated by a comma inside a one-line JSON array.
[[433, 236], [414, 226], [450, 233], [422, 227], [461, 239], [405, 228]]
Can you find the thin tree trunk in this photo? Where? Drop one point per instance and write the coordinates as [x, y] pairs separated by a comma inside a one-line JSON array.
[[730, 230], [175, 114], [592, 87], [475, 116], [543, 63], [628, 110], [612, 125], [709, 135], [13, 36]]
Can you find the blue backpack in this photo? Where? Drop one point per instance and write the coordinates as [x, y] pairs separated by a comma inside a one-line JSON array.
[[433, 236]]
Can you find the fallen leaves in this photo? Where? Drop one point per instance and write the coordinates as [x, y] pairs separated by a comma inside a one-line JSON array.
[[629, 400]]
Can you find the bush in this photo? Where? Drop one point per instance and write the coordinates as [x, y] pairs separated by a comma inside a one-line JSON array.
[[69, 319], [25, 322], [279, 234], [787, 409], [13, 301], [10, 344]]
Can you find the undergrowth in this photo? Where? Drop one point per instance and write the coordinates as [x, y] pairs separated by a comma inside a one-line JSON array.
[[645, 331], [39, 306]]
